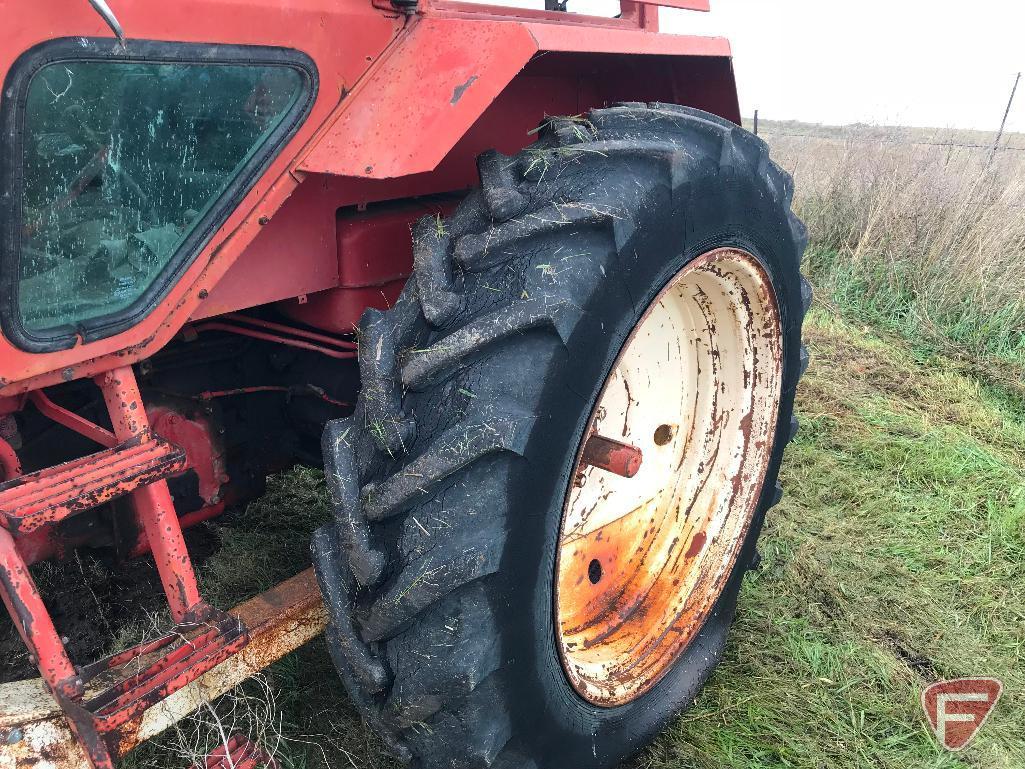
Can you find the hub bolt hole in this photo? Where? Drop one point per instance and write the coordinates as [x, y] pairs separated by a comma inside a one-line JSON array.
[[594, 571], [664, 434]]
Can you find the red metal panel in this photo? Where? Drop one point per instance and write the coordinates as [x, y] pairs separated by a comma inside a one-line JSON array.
[[636, 42], [687, 5], [375, 256], [426, 105], [456, 66], [197, 436], [427, 91], [304, 232]]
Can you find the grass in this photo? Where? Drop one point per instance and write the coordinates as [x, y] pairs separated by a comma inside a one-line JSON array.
[[923, 240]]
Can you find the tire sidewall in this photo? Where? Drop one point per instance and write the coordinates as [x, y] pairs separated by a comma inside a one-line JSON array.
[[556, 725]]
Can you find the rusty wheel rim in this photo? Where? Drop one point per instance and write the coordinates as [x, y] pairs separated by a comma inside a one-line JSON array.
[[668, 477]]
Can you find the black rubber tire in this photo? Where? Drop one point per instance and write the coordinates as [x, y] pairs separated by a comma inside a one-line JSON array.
[[448, 480]]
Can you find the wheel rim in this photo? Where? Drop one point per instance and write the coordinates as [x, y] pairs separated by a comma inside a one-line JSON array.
[[668, 476]]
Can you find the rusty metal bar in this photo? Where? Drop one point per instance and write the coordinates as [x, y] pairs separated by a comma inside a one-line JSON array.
[[612, 455], [71, 420], [9, 462], [153, 503], [34, 733], [33, 622]]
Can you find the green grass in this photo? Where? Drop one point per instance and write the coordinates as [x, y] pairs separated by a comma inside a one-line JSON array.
[[897, 557], [882, 293]]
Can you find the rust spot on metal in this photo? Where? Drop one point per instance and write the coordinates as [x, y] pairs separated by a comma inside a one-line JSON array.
[[696, 544], [663, 434]]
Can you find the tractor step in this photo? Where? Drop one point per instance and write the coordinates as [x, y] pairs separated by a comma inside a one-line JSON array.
[[51, 495], [239, 753], [138, 678]]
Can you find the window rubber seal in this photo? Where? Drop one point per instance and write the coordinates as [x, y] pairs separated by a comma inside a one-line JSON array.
[[12, 133]]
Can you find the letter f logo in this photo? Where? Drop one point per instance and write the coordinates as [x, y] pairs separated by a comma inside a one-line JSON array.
[[957, 709]]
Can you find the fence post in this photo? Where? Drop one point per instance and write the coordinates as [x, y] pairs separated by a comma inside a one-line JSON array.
[[1003, 122]]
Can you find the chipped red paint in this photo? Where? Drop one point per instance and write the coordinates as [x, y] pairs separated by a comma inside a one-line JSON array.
[[153, 504], [48, 496], [140, 677], [278, 621], [10, 465], [30, 616], [184, 654], [611, 455], [238, 753], [150, 672]]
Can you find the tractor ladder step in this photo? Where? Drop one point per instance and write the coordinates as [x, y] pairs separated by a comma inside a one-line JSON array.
[[118, 689], [48, 496]]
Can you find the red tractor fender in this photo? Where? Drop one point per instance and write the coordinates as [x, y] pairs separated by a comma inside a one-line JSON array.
[[444, 71]]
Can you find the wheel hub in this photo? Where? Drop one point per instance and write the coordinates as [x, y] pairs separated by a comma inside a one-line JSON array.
[[668, 476]]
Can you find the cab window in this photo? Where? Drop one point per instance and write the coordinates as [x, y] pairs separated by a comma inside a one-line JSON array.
[[123, 164]]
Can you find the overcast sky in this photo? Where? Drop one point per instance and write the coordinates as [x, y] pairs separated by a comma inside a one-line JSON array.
[[942, 63]]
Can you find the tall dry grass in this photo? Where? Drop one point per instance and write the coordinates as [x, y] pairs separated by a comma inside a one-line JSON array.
[[926, 240]]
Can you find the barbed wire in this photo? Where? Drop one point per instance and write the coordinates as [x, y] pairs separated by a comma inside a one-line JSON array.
[[867, 140]]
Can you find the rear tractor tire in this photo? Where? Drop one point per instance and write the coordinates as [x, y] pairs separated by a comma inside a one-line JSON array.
[[568, 436]]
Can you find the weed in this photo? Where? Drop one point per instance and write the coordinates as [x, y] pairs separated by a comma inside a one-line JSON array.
[[921, 239]]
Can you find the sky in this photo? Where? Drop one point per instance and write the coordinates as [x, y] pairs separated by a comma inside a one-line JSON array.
[[937, 63]]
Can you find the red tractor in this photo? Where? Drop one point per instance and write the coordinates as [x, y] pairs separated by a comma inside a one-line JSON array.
[[547, 363]]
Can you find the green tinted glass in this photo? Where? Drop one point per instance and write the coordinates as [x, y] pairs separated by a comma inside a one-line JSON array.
[[122, 162]]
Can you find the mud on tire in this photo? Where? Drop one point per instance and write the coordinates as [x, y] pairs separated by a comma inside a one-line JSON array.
[[448, 480]]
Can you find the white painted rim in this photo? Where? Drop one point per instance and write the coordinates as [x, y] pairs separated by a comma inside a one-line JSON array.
[[642, 560]]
